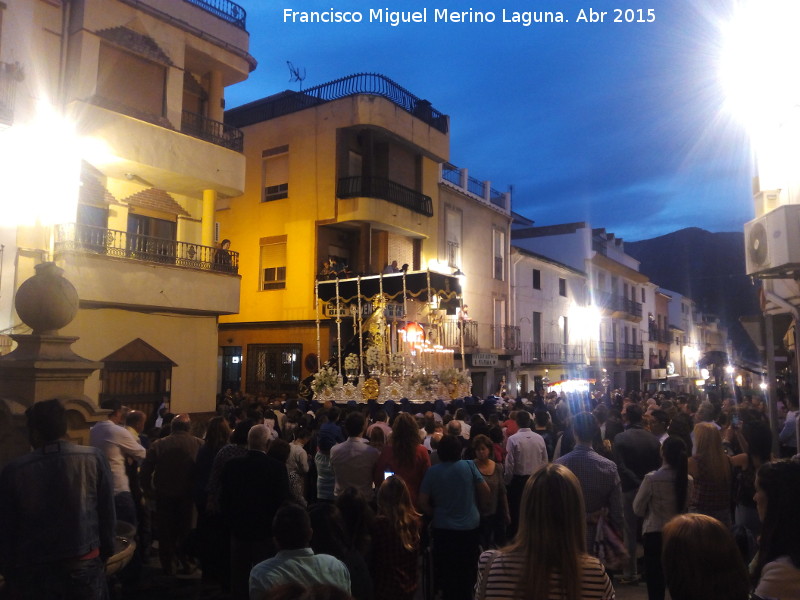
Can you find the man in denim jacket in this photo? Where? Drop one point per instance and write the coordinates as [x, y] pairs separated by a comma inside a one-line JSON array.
[[57, 515]]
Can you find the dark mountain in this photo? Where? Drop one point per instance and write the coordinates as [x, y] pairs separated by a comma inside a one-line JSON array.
[[707, 267]]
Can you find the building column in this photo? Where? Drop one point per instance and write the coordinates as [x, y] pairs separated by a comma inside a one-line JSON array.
[[216, 96], [207, 227]]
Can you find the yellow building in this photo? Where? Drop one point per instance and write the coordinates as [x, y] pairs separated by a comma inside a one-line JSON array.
[[134, 92]]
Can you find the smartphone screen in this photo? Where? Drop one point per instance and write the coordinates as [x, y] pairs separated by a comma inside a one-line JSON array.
[[387, 474]]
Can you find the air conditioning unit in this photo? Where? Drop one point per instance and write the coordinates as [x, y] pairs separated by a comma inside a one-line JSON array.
[[772, 242]]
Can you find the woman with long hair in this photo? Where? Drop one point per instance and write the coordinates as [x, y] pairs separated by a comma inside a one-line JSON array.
[[403, 455], [662, 495], [395, 542], [547, 558], [711, 469], [756, 443], [777, 572], [496, 516], [701, 560]]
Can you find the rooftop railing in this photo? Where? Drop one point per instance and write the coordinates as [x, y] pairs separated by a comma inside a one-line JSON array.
[[212, 131], [461, 179], [109, 242], [352, 85], [224, 9], [385, 189]]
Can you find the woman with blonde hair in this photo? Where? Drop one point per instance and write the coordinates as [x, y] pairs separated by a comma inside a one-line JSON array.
[[710, 468], [395, 542], [547, 559]]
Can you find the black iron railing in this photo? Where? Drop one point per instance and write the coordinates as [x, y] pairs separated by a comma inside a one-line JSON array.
[[505, 337], [616, 303], [224, 9], [212, 131], [551, 353], [385, 189], [97, 240], [451, 174], [352, 85], [612, 350], [659, 335]]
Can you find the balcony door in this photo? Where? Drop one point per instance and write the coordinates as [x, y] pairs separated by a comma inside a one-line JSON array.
[[151, 237]]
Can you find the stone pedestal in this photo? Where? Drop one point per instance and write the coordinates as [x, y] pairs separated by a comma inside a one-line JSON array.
[[43, 365]]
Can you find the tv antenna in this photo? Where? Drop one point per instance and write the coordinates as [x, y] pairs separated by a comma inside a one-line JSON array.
[[295, 73]]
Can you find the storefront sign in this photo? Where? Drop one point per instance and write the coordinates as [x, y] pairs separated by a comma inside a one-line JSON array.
[[484, 359]]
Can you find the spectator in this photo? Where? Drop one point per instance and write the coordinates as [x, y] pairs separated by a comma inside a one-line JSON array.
[[757, 445], [777, 572], [597, 475], [396, 542], [352, 460], [662, 495], [253, 488], [637, 452], [448, 493], [56, 513], [404, 455], [295, 561], [547, 558], [495, 516], [118, 444], [711, 469], [167, 473], [701, 560], [526, 453]]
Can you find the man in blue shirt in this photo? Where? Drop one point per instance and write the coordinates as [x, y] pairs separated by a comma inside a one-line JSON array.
[[295, 561]]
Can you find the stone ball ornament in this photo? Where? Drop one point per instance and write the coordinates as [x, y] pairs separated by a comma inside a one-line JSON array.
[[47, 301]]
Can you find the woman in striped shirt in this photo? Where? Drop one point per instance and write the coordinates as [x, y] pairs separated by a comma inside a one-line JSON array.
[[547, 559]]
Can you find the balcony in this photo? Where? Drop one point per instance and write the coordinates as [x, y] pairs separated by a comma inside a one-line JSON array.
[[659, 335], [385, 189], [212, 131], [224, 9], [108, 242], [614, 351], [480, 190], [618, 306], [10, 75], [371, 84], [554, 354]]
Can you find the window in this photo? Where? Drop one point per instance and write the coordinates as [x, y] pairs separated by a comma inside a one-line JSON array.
[[452, 225], [128, 80], [643, 300], [273, 368], [499, 253], [562, 287], [275, 173], [273, 263], [537, 279]]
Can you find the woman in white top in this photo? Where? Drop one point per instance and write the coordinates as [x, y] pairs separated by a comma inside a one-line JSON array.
[[547, 558], [662, 495]]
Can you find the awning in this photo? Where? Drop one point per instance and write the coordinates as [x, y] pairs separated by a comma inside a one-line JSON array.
[[420, 285]]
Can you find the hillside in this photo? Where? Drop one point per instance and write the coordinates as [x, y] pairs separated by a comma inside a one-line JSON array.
[[707, 267]]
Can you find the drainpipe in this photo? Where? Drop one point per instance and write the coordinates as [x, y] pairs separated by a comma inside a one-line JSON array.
[[773, 400]]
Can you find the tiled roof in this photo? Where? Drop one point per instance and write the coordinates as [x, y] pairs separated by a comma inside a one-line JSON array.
[[156, 199], [136, 42], [93, 192]]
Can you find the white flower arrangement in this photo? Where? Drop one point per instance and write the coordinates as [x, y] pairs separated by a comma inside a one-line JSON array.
[[454, 376], [326, 377], [424, 380], [396, 364], [351, 362], [373, 356]]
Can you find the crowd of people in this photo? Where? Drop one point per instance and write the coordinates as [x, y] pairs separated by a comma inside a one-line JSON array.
[[547, 496]]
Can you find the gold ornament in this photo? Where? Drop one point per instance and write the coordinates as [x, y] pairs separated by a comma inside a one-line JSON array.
[[370, 389]]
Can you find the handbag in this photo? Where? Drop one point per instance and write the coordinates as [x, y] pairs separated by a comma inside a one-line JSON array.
[[608, 544]]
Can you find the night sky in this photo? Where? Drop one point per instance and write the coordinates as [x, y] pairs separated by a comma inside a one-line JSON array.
[[619, 124]]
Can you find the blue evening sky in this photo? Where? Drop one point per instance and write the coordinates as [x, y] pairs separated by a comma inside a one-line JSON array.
[[618, 124]]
